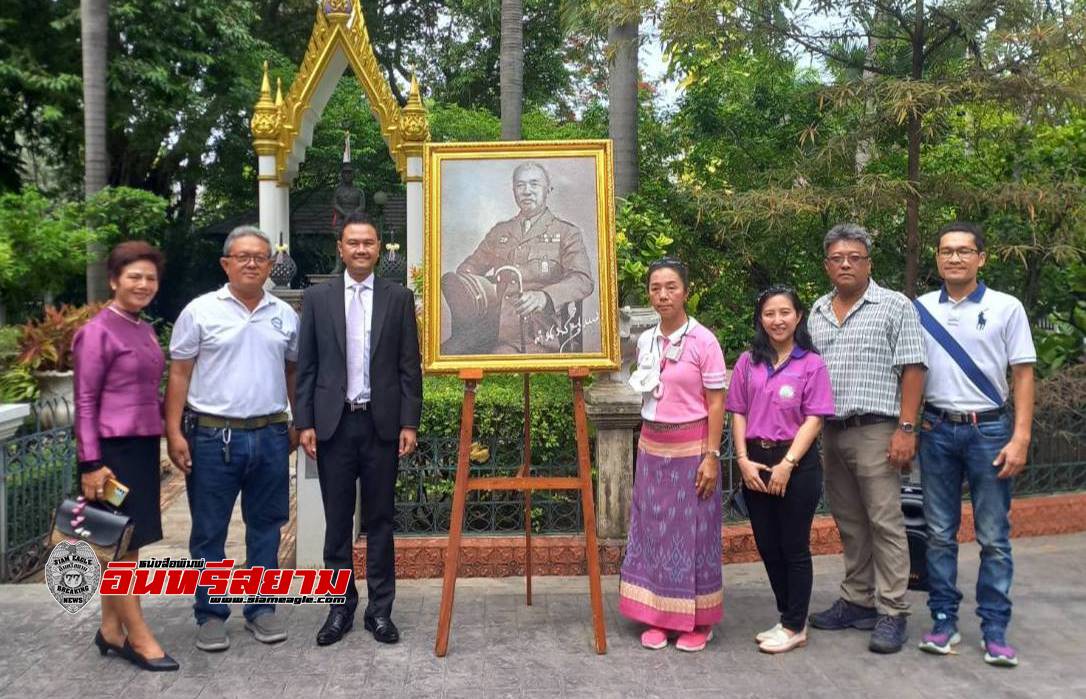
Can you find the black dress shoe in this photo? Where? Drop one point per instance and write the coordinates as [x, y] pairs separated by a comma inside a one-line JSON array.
[[382, 628], [105, 646], [163, 664], [340, 620]]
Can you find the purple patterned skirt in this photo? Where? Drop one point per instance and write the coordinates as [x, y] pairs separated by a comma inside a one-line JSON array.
[[671, 576]]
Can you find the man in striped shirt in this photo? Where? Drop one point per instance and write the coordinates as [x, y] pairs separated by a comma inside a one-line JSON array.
[[872, 343]]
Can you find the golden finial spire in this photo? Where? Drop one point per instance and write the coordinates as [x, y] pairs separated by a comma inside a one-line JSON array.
[[413, 123], [278, 92], [414, 95], [265, 121], [265, 84]]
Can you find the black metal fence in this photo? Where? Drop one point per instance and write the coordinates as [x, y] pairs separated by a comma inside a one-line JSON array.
[[37, 468], [425, 485], [424, 489]]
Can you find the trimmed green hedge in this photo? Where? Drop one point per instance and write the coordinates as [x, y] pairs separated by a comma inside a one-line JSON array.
[[499, 412]]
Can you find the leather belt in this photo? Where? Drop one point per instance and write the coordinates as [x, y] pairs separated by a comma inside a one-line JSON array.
[[241, 423], [965, 418], [862, 420], [769, 443], [355, 407]]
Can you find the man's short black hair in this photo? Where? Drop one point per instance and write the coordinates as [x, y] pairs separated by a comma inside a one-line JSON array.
[[356, 218], [973, 229]]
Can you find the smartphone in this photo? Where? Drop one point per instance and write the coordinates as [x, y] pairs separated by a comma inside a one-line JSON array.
[[114, 492]]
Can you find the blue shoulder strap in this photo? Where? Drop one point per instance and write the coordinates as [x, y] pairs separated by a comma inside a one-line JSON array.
[[958, 354]]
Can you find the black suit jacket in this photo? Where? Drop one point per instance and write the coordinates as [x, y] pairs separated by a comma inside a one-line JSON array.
[[395, 364]]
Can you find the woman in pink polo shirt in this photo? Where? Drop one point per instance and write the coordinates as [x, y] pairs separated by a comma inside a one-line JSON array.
[[780, 391], [671, 579]]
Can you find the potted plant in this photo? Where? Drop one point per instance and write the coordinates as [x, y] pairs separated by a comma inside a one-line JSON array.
[[46, 351]]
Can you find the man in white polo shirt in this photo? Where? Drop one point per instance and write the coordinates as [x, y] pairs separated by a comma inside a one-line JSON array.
[[972, 335], [233, 354]]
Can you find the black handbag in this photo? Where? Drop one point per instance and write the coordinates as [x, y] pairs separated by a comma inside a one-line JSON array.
[[916, 532], [107, 532]]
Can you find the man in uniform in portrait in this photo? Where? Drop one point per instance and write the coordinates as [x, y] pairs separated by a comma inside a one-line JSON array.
[[519, 292]]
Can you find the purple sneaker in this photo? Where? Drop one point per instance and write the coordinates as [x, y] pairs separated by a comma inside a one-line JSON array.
[[999, 653], [941, 639]]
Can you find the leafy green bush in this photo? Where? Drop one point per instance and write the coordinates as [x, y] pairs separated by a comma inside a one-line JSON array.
[[499, 413], [41, 245], [644, 234]]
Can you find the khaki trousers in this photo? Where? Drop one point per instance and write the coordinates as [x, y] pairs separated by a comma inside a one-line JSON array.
[[864, 494]]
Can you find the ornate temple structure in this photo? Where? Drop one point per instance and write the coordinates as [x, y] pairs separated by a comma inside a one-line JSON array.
[[282, 125]]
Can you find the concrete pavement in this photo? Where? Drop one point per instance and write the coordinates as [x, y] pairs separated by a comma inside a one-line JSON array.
[[499, 647]]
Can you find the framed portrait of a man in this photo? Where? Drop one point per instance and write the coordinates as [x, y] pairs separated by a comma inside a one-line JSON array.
[[520, 257]]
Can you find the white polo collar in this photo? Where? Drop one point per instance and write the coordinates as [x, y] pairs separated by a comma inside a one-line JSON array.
[[685, 328], [224, 294]]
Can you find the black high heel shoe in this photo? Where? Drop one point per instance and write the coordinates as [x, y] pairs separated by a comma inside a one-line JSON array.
[[163, 664], [105, 646]]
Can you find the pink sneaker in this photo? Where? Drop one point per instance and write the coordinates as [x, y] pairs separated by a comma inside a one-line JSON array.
[[654, 638], [693, 641]]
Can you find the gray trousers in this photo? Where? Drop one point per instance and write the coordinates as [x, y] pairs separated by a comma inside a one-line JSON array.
[[864, 494]]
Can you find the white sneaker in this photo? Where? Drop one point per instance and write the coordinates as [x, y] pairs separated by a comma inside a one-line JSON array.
[[781, 642], [768, 633]]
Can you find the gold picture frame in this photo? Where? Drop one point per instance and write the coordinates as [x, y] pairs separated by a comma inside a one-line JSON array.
[[519, 262]]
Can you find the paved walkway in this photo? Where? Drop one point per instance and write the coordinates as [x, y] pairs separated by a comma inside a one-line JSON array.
[[499, 647]]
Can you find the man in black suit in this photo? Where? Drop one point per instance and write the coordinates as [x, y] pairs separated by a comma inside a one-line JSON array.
[[359, 401]]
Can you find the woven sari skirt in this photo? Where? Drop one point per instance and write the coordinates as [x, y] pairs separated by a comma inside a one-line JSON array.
[[671, 576]]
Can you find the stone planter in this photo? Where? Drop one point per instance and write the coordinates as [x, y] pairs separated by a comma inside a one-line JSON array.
[[12, 416], [56, 399]]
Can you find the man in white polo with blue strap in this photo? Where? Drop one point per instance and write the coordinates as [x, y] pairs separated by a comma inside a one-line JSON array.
[[972, 335]]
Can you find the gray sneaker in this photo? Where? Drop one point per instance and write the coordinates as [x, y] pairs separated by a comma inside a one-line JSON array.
[[267, 628], [211, 635]]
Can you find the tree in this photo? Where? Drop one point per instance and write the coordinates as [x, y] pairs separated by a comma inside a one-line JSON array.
[[925, 58], [622, 88], [620, 21], [94, 22], [512, 68]]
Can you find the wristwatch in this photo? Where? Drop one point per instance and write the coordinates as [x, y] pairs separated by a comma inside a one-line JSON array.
[[791, 459], [907, 427], [715, 452]]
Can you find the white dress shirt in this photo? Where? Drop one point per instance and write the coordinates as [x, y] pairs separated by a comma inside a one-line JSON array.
[[358, 338]]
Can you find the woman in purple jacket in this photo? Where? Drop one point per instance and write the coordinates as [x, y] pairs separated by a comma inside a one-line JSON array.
[[118, 425]]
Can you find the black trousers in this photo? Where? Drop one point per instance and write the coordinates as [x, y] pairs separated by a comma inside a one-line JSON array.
[[782, 531], [355, 453]]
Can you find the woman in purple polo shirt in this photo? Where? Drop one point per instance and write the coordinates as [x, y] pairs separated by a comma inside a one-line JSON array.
[[780, 391], [118, 425]]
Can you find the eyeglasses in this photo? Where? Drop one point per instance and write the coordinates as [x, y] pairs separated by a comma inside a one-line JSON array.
[[853, 259], [962, 253], [246, 259]]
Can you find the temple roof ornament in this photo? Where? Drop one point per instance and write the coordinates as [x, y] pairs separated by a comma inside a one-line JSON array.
[[283, 126], [414, 128], [266, 119]]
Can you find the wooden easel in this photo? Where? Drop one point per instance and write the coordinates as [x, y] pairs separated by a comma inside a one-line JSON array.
[[525, 483]]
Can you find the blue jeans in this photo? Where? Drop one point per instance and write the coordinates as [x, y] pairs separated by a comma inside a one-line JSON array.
[[258, 469], [950, 453]]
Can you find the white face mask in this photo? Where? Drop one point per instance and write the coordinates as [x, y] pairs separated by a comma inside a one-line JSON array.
[[645, 380]]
